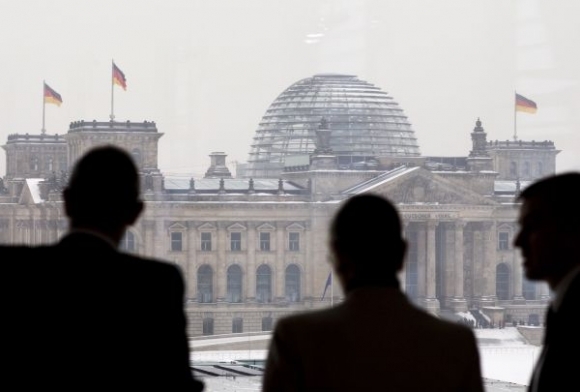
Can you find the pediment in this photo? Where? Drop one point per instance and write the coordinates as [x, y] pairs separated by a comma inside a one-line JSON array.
[[424, 187], [295, 227], [206, 226], [266, 227], [177, 226], [236, 227]]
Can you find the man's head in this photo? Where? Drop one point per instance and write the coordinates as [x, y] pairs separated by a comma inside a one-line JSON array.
[[549, 236], [365, 238], [103, 192]]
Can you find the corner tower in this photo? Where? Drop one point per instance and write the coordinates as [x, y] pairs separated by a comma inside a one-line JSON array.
[[138, 138]]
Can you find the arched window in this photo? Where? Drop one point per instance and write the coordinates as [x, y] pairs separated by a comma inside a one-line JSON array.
[[502, 281], [128, 242], [234, 284], [264, 284], [34, 164], [136, 154], [205, 284], [292, 283], [50, 164]]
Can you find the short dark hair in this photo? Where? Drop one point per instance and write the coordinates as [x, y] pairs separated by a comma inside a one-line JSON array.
[[367, 231], [103, 186], [560, 195]]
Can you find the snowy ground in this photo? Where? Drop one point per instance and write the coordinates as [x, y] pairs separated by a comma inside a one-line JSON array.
[[505, 355], [506, 359]]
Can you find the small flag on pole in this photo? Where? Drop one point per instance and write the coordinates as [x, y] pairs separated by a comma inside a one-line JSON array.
[[327, 285], [524, 104], [51, 96], [119, 77]]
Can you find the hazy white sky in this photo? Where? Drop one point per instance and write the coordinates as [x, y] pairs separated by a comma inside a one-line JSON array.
[[206, 71]]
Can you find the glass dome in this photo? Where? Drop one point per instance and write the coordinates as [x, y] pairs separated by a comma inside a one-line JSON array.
[[365, 123]]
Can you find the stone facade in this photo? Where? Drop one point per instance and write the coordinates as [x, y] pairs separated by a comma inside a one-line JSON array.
[[254, 250]]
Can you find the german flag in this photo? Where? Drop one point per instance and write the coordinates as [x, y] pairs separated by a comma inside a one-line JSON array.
[[119, 77], [525, 105], [51, 96]]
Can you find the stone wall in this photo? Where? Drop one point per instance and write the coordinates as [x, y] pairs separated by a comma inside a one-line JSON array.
[[533, 335]]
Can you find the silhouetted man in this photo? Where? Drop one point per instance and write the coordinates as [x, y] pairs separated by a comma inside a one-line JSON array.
[[97, 318], [549, 239], [375, 339]]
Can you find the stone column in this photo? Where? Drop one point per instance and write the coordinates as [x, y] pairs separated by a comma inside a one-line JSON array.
[[431, 259], [421, 261], [220, 278], [431, 303], [517, 277], [280, 247], [251, 265], [488, 271], [162, 241], [307, 281], [191, 261], [543, 291], [459, 304]]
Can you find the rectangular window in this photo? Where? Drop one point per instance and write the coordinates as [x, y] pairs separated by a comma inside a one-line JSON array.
[[267, 323], [235, 241], [207, 326], [294, 242], [176, 241], [237, 325], [206, 242], [504, 240], [265, 241]]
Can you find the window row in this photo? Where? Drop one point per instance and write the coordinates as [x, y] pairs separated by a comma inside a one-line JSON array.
[[525, 170], [237, 325], [234, 278], [265, 241]]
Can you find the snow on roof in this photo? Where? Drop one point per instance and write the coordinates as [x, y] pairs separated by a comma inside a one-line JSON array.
[[32, 184], [233, 184], [509, 186], [379, 180]]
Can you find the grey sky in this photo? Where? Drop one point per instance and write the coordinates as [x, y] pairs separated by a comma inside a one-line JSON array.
[[206, 71]]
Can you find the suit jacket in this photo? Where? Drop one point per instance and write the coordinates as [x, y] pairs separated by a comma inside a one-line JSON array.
[[374, 340], [558, 364], [89, 316]]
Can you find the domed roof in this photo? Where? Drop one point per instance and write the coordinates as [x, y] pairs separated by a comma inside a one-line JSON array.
[[364, 121]]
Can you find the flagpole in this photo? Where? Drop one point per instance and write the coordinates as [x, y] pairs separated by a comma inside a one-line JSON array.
[[43, 107], [331, 288], [515, 118], [112, 95]]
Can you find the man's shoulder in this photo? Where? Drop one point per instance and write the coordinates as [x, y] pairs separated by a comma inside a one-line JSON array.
[[150, 268], [149, 263], [312, 319]]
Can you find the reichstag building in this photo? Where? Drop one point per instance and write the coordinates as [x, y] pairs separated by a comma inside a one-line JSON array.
[[253, 247]]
